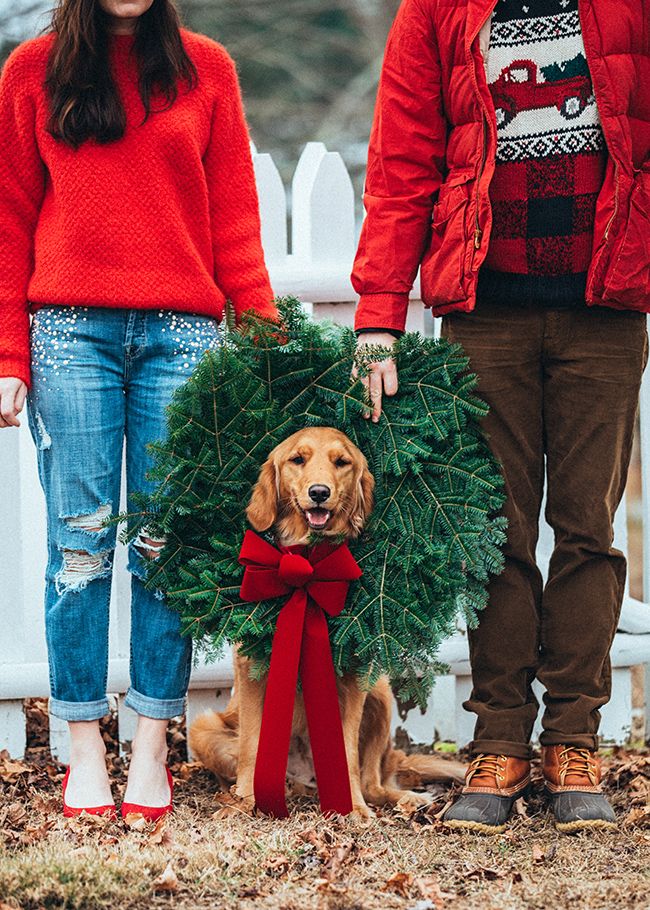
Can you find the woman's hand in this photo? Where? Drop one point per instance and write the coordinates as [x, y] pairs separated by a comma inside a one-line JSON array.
[[12, 398], [382, 376]]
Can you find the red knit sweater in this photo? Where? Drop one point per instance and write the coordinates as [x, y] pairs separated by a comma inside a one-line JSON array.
[[165, 217]]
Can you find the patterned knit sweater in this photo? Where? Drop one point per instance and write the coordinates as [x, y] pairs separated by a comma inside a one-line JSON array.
[[165, 217], [550, 155]]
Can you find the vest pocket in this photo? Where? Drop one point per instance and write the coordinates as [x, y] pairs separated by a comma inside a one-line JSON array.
[[442, 274], [628, 279]]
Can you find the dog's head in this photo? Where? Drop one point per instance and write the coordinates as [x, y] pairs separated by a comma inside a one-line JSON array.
[[316, 480]]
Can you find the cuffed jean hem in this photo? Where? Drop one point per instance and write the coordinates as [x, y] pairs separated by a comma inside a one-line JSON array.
[[157, 708], [577, 740], [501, 747], [79, 710]]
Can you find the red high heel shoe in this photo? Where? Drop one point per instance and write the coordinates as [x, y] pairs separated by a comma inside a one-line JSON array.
[[71, 811], [151, 813]]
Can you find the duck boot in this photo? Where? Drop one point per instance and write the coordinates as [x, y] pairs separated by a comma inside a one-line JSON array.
[[492, 785], [572, 778]]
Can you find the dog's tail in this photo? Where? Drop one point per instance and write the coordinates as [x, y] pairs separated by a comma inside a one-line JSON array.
[[214, 740], [416, 770]]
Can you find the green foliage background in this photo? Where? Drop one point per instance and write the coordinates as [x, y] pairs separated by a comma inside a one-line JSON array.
[[433, 537]]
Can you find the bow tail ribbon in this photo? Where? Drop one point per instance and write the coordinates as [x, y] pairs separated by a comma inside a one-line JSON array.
[[277, 715], [301, 645], [321, 698]]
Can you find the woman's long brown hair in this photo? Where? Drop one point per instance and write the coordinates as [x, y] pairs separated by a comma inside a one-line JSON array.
[[84, 101]]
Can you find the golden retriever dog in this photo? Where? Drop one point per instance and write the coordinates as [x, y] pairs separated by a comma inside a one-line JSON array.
[[316, 480]]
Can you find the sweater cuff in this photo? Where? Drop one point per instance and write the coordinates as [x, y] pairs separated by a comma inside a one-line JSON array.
[[387, 310], [16, 369], [396, 333], [263, 306]]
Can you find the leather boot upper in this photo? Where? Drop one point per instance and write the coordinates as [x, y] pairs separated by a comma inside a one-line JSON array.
[[567, 768], [499, 775]]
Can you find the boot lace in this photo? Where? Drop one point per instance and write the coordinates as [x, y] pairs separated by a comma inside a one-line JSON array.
[[486, 765], [577, 761]]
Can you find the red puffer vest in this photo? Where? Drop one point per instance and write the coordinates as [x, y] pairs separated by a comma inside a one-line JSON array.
[[432, 150]]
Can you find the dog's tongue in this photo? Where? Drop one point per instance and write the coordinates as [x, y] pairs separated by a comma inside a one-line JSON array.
[[318, 517]]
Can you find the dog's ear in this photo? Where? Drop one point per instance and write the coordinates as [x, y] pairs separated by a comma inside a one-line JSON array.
[[363, 502], [262, 510]]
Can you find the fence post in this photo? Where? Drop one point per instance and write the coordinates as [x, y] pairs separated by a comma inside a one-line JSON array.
[[127, 722], [273, 207], [644, 446], [323, 228], [12, 605], [59, 740]]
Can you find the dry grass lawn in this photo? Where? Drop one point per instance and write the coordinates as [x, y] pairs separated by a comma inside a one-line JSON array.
[[211, 854], [214, 854]]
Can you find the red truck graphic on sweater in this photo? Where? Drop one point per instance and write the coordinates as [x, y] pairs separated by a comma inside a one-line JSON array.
[[520, 88]]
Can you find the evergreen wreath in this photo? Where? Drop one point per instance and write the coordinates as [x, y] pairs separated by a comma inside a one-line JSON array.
[[433, 537]]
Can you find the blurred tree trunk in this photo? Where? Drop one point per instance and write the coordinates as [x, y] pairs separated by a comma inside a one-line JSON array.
[[309, 68]]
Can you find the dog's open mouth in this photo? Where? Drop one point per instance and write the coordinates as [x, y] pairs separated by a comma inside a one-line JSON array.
[[317, 518]]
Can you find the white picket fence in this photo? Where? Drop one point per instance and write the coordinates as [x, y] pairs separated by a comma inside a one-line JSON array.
[[317, 270]]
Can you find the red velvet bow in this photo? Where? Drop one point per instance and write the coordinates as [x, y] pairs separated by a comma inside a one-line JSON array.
[[316, 581]]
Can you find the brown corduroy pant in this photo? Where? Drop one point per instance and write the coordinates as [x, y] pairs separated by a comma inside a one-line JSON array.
[[560, 383]]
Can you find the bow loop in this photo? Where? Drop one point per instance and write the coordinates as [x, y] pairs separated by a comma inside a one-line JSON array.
[[256, 550]]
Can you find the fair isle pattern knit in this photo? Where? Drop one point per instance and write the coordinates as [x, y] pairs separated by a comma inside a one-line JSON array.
[[166, 217], [550, 154]]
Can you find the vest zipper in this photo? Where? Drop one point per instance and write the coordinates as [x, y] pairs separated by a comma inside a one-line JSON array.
[[613, 215], [599, 108], [478, 232]]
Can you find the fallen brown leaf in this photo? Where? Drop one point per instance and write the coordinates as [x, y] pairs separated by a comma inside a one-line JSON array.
[[229, 804], [429, 889], [167, 881], [485, 872], [340, 854], [41, 802], [400, 883], [11, 770], [185, 770], [135, 821], [521, 809], [325, 884], [317, 840], [32, 835], [638, 817], [442, 811], [538, 854], [16, 815], [278, 866], [157, 834]]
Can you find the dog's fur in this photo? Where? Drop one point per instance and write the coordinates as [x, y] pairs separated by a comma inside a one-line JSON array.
[[227, 742]]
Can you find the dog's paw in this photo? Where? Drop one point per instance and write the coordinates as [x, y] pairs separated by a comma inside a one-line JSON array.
[[246, 800], [362, 812], [410, 801]]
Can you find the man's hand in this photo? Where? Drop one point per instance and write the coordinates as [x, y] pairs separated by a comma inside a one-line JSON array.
[[382, 376], [12, 398]]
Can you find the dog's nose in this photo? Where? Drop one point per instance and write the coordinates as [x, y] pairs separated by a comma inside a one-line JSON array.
[[319, 492]]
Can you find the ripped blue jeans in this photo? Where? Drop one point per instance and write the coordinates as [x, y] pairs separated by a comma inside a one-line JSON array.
[[101, 375]]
